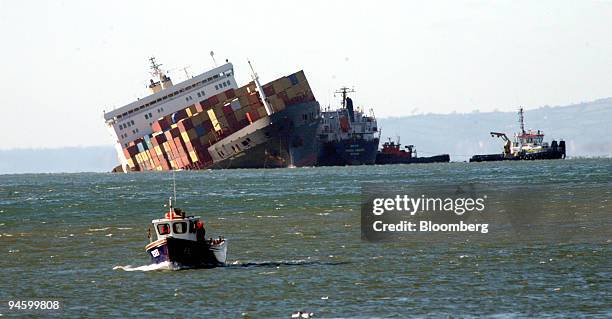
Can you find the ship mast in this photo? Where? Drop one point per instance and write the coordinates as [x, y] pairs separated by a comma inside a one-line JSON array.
[[344, 91], [155, 67], [264, 98], [521, 120]]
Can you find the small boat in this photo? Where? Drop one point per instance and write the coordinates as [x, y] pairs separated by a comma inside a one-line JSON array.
[[391, 153], [181, 240], [527, 145]]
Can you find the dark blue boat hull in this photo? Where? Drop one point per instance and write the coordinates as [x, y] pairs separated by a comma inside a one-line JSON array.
[[185, 253], [348, 152]]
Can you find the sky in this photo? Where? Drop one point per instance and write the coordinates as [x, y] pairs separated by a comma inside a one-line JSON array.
[[64, 62]]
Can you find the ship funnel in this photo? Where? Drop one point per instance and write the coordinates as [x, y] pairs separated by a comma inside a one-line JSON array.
[[154, 86], [166, 82], [349, 107]]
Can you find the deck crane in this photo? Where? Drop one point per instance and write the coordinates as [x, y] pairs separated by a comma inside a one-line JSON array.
[[507, 142]]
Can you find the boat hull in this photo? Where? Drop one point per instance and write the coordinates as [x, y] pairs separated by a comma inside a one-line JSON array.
[[383, 159], [548, 154], [353, 151], [188, 253]]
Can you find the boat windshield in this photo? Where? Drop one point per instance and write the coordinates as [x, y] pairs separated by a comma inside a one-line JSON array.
[[179, 227], [163, 229]]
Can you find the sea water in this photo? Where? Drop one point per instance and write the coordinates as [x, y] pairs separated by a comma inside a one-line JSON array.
[[294, 244]]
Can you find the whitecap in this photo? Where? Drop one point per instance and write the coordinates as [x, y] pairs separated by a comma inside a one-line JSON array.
[[99, 229], [124, 228], [166, 265]]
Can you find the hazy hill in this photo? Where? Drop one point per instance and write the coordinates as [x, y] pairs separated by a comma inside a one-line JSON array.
[[59, 160], [586, 128]]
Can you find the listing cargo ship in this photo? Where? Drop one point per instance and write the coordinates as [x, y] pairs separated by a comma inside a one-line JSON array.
[[346, 135], [392, 153], [208, 122], [527, 145]]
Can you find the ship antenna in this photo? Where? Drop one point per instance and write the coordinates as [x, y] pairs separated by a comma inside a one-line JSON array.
[[212, 55], [344, 91], [522, 120], [264, 98], [185, 70], [155, 67], [174, 186]]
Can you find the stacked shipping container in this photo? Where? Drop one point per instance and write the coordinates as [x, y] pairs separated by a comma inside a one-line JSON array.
[[180, 140]]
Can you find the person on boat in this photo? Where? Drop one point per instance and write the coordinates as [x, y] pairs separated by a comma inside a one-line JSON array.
[[200, 231]]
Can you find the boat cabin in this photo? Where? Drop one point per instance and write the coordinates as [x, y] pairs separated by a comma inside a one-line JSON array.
[[529, 141], [177, 227]]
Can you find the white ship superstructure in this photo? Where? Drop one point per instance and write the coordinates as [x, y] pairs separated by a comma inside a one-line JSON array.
[[336, 126], [347, 122], [527, 140], [135, 119]]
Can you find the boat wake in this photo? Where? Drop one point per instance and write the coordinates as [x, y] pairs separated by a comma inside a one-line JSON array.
[[166, 265], [236, 264], [300, 262]]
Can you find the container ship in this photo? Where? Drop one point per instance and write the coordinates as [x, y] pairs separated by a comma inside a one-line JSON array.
[[346, 135], [392, 153], [208, 122], [527, 145]]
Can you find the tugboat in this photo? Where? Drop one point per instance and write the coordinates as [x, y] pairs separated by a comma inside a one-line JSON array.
[[347, 136], [181, 241], [392, 153], [527, 145]]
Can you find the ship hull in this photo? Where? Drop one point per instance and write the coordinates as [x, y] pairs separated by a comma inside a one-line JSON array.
[[348, 152], [284, 139], [549, 154], [187, 253], [384, 159]]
